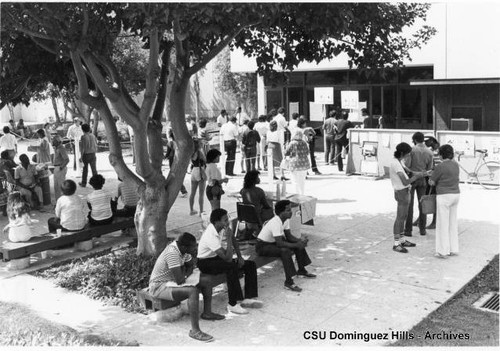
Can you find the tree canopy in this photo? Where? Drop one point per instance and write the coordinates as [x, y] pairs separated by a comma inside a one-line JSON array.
[[181, 38]]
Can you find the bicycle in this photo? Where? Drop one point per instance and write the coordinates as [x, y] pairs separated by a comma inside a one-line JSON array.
[[486, 173]]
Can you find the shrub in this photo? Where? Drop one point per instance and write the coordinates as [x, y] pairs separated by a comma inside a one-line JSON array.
[[113, 277]]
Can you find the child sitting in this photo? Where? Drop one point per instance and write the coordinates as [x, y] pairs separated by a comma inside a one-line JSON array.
[[19, 218], [71, 211], [129, 197], [99, 202]]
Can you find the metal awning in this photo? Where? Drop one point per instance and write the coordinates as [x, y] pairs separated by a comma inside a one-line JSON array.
[[464, 81]]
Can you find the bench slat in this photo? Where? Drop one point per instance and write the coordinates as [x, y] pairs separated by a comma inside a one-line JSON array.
[[12, 251]]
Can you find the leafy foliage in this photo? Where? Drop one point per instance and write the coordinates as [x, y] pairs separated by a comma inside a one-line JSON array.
[[112, 278], [242, 87]]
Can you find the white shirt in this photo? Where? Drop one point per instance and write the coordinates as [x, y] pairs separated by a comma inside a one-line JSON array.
[[275, 137], [221, 120], [8, 142], [262, 128], [210, 242], [394, 169], [75, 132], [213, 173], [281, 120], [292, 125], [273, 228], [100, 200], [72, 211], [229, 131]]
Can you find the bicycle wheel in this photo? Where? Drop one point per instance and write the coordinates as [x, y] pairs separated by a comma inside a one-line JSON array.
[[488, 175]]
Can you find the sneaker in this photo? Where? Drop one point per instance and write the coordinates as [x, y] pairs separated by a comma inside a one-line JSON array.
[[408, 244], [423, 233], [399, 248], [293, 287], [306, 274], [317, 172], [251, 303], [237, 309], [200, 336]]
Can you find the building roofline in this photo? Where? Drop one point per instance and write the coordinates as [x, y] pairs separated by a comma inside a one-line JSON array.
[[456, 81]]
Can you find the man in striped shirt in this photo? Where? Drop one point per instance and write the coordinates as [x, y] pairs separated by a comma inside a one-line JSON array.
[[172, 279]]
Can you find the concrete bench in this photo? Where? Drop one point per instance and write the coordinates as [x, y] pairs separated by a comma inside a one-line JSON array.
[[149, 302], [82, 239]]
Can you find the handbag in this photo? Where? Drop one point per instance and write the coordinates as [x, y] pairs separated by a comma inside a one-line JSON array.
[[428, 203], [285, 163]]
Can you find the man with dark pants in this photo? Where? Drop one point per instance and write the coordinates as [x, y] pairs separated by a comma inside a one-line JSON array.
[[173, 279], [214, 259], [275, 240], [88, 148], [329, 128], [420, 160], [341, 140], [229, 132]]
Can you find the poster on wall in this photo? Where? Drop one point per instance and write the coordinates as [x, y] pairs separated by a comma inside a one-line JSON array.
[[493, 150], [293, 107], [316, 112], [349, 99], [323, 95], [462, 143]]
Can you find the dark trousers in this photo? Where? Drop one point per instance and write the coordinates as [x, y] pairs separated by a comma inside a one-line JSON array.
[[330, 149], [250, 157], [217, 265], [312, 145], [54, 223], [88, 159], [422, 218], [272, 250], [339, 145], [230, 147], [126, 211], [402, 198]]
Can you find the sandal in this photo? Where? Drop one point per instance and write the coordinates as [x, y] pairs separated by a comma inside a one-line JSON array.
[[399, 248], [200, 336], [212, 316]]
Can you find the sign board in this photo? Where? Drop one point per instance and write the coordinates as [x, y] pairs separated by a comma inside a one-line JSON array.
[[293, 108], [323, 96], [316, 112], [349, 99]]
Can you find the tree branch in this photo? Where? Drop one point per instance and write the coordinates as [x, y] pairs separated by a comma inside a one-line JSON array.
[[151, 76], [83, 89], [98, 78], [44, 46]]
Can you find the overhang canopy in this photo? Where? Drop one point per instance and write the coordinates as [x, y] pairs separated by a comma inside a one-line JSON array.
[[464, 81]]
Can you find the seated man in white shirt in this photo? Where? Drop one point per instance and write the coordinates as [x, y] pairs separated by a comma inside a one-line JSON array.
[[214, 259], [275, 240], [173, 279], [26, 177]]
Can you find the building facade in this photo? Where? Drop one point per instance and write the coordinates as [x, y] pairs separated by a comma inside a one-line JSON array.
[[455, 76]]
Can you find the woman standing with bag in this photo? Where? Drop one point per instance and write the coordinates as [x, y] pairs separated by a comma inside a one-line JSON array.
[[198, 176], [446, 179], [401, 185], [214, 179], [298, 151]]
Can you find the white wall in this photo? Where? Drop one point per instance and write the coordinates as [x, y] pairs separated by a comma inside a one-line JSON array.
[[466, 45]]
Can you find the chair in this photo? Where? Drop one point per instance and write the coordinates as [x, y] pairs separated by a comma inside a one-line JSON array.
[[247, 213]]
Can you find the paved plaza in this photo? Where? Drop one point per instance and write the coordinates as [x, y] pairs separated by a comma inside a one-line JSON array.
[[362, 285]]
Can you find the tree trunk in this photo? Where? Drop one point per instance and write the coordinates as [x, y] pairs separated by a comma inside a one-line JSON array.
[[150, 219], [56, 110], [11, 112]]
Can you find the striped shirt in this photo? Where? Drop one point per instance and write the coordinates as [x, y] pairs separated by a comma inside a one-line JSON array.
[[170, 258], [72, 211], [128, 194], [100, 201]]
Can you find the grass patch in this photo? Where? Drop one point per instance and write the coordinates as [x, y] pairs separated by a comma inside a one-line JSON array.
[[19, 326], [112, 277], [458, 315]]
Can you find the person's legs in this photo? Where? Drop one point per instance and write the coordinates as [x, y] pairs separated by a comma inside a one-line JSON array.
[[442, 225], [328, 150], [218, 266], [409, 217], [302, 258], [338, 147], [201, 199], [250, 271], [54, 223], [59, 178], [271, 250], [85, 171], [301, 182], [194, 188], [402, 198], [93, 161], [453, 224], [422, 218]]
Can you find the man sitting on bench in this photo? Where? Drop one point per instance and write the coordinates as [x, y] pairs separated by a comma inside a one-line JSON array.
[[214, 259], [172, 279], [275, 240]]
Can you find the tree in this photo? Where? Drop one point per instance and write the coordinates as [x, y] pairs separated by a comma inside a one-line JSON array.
[[181, 39], [242, 87]]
